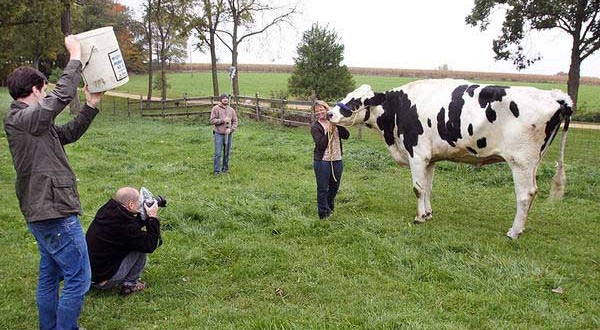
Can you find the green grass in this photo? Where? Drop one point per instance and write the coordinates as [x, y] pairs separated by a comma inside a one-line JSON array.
[[200, 84], [231, 242]]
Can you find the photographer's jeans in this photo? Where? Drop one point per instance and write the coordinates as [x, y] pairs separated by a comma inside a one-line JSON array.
[[63, 256], [327, 185], [219, 150]]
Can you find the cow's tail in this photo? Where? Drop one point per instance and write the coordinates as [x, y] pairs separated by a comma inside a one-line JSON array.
[[559, 181]]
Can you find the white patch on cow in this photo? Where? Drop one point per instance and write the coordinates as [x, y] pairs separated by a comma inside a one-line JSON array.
[[516, 138]]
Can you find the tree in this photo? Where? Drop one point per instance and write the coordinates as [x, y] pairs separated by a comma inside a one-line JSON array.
[[147, 22], [30, 35], [243, 18], [206, 26], [171, 22], [578, 18], [318, 66], [100, 13]]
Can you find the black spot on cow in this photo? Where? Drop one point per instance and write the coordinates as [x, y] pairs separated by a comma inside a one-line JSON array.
[[470, 129], [472, 150], [490, 114], [471, 90], [489, 94], [377, 99], [482, 143], [514, 109], [429, 122], [367, 114], [400, 113], [450, 130]]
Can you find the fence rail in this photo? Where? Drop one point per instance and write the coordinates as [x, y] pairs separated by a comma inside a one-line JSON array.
[[288, 113]]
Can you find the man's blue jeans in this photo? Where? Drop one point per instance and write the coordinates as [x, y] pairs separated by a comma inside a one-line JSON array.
[[327, 185], [219, 149], [63, 256]]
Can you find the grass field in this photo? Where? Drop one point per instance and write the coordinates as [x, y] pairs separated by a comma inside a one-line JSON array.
[[268, 84], [247, 250]]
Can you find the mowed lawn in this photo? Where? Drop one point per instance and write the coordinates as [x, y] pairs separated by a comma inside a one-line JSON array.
[[247, 250]]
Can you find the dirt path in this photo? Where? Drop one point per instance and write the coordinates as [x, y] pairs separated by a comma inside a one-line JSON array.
[[131, 96]]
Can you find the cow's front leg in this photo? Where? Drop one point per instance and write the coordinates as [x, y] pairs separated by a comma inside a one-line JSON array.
[[420, 187], [429, 170], [525, 191]]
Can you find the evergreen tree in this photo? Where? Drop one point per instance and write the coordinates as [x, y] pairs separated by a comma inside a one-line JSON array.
[[318, 66]]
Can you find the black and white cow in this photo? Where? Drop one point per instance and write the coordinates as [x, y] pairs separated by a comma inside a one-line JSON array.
[[427, 121]]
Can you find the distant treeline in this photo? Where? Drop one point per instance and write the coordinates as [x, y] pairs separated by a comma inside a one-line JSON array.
[[472, 75]]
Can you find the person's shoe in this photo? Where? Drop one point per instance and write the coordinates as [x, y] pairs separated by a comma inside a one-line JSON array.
[[324, 215], [129, 289]]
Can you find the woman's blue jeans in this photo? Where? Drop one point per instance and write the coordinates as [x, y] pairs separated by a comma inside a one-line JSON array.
[[63, 256], [219, 150], [327, 185]]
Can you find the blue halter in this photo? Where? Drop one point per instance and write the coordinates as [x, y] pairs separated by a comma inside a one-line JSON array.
[[343, 106]]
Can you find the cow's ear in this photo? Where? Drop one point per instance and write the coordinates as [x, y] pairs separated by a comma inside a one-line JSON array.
[[378, 99]]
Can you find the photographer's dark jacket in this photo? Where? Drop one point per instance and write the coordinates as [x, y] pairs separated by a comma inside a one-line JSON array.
[[114, 233], [45, 184], [321, 139]]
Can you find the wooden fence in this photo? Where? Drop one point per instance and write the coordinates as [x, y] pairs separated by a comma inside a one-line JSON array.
[[286, 112]]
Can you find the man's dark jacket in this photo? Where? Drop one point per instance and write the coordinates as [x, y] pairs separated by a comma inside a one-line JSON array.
[[114, 233], [45, 185]]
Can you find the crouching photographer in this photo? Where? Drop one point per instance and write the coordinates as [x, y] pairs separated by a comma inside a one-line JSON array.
[[123, 232]]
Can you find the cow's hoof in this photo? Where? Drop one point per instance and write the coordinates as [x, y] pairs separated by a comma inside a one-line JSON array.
[[428, 216], [419, 220], [513, 234]]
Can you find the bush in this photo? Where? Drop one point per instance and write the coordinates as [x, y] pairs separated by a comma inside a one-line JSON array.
[[55, 74]]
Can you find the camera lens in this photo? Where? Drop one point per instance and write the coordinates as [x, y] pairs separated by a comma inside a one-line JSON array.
[[161, 201]]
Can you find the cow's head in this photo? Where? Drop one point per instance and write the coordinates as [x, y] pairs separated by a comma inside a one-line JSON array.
[[354, 108]]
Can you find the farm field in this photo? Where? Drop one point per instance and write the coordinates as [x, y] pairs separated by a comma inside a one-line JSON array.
[[269, 84], [247, 250]]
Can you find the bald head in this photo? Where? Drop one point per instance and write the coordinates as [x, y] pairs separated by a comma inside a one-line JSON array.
[[127, 194]]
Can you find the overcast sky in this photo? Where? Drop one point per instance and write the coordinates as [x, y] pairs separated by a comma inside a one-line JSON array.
[[417, 34]]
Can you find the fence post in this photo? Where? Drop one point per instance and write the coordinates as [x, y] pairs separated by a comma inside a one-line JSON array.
[[114, 105], [282, 114], [128, 107], [257, 108], [141, 107], [162, 108], [185, 105]]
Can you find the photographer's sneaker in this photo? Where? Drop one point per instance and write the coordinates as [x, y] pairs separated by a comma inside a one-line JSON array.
[[129, 289]]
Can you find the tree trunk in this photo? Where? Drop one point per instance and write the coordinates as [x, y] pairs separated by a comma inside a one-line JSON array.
[[234, 56], [234, 63], [213, 64], [574, 74], [163, 80], [150, 71], [65, 26]]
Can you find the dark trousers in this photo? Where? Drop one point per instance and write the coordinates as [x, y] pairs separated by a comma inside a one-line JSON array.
[[328, 183]]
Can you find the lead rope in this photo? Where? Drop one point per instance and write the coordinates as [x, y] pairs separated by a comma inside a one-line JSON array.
[[330, 148]]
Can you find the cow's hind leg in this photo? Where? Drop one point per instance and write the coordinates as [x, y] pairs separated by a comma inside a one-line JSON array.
[[422, 189], [525, 191]]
